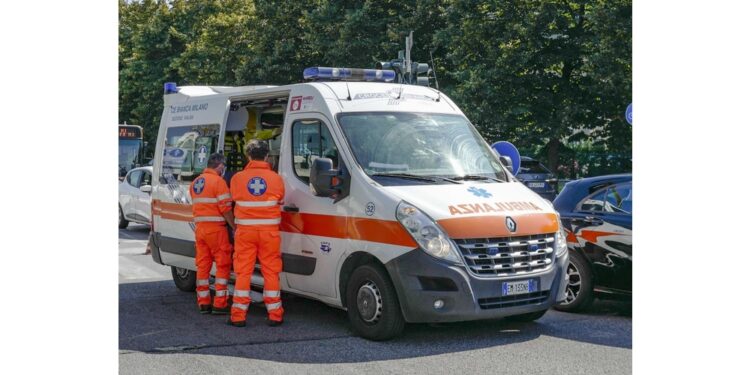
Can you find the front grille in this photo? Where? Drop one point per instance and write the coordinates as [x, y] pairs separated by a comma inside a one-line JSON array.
[[508, 256], [510, 301]]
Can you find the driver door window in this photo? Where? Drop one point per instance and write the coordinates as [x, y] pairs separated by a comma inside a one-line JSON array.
[[311, 140], [133, 178], [612, 199]]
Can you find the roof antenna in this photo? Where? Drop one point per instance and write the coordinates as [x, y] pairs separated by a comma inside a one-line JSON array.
[[349, 94], [434, 72]]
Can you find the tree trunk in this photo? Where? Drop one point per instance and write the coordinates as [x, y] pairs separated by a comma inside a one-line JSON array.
[[553, 154]]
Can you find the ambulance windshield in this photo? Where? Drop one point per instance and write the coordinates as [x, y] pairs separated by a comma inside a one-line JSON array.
[[419, 144]]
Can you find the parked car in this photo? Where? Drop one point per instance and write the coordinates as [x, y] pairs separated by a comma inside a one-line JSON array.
[[135, 197], [597, 215], [537, 178]]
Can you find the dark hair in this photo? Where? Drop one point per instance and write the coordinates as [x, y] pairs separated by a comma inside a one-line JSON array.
[[256, 149], [215, 160]]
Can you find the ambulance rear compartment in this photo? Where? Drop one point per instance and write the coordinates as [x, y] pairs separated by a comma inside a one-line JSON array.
[[421, 280]]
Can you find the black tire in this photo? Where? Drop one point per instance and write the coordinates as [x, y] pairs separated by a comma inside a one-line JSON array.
[[184, 279], [372, 304], [123, 222], [528, 317], [580, 291]]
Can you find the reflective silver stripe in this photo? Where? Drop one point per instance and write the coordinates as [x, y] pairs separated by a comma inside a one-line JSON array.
[[257, 203], [271, 293], [201, 282], [221, 293], [207, 218], [203, 293], [242, 306], [273, 306], [224, 196], [257, 221], [241, 293], [221, 281], [205, 200]]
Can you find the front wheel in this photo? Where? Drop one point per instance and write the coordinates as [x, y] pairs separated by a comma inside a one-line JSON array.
[[372, 304], [580, 292], [184, 279], [123, 222]]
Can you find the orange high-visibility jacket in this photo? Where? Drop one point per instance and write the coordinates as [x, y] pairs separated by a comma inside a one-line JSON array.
[[211, 198], [258, 192]]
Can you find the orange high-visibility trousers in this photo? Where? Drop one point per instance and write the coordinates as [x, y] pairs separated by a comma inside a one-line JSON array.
[[212, 245], [266, 246]]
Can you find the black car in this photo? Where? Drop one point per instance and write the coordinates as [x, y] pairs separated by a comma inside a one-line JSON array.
[[537, 178], [597, 215]]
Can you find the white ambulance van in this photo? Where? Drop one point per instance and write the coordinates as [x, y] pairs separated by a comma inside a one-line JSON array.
[[396, 209]]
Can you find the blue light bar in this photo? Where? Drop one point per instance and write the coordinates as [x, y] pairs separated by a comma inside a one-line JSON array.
[[348, 74], [170, 88]]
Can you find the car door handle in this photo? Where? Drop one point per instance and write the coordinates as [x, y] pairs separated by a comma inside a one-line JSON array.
[[291, 209]]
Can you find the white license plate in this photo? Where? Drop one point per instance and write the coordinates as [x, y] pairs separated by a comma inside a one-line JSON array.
[[536, 184], [519, 287]]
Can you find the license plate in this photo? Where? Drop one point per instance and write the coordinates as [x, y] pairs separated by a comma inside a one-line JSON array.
[[520, 287], [536, 184]]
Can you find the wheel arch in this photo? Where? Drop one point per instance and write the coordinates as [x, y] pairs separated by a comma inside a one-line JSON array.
[[351, 263]]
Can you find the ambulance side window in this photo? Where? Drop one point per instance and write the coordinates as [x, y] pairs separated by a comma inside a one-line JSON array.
[[311, 140], [186, 151]]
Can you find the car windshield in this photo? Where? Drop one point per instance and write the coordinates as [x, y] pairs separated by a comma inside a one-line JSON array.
[[419, 144]]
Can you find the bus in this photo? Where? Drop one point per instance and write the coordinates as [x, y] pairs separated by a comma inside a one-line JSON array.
[[130, 148]]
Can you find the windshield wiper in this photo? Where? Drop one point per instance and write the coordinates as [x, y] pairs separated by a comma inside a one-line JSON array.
[[472, 177], [405, 175]]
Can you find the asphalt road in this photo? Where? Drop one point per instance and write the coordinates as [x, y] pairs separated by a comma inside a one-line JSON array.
[[161, 332]]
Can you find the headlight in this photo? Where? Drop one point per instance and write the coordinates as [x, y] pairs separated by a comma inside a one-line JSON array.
[[428, 235], [561, 244]]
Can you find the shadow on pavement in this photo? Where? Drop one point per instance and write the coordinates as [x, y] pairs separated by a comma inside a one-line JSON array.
[[155, 317]]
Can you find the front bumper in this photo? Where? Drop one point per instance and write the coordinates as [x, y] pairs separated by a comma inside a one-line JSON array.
[[421, 279]]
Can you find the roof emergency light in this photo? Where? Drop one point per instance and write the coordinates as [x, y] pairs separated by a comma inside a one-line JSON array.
[[348, 74], [170, 88]]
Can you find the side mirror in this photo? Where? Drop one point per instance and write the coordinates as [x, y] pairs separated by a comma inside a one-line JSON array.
[[507, 162], [146, 189], [322, 175]]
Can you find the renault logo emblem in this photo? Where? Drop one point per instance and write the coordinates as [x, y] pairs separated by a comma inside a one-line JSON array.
[[510, 224]]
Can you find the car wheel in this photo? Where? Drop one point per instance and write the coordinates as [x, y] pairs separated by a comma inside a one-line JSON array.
[[184, 279], [372, 304], [123, 222], [580, 290], [528, 317]]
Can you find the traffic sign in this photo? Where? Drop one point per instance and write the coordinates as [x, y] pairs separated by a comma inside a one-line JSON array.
[[629, 114], [505, 148]]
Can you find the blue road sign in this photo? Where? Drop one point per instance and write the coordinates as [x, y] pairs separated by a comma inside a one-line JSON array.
[[629, 114], [505, 148]]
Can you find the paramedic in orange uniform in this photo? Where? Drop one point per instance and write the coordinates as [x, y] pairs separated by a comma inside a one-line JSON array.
[[258, 193], [212, 211]]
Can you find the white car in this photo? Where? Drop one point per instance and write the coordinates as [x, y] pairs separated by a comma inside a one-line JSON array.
[[135, 197]]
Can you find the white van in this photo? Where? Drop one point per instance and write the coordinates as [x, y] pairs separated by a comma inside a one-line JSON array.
[[396, 209]]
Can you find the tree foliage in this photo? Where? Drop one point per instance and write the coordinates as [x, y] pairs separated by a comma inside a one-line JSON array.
[[551, 76]]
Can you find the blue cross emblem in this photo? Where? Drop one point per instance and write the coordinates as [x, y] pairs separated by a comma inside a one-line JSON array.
[[479, 192], [257, 186], [199, 185]]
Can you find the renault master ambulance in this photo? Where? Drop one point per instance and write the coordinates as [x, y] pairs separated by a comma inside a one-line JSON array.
[[396, 209]]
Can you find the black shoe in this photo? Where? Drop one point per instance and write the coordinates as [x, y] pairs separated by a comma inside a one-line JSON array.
[[205, 309], [222, 311], [274, 323], [235, 324]]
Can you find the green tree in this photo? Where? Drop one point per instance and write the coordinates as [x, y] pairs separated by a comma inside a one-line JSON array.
[[539, 73]]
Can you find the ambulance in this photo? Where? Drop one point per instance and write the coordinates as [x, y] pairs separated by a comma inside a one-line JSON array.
[[396, 209]]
